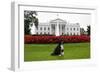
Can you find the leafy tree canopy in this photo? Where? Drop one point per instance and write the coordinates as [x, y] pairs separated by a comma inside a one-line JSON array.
[[29, 19]]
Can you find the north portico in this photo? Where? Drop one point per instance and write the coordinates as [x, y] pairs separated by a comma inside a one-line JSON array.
[[58, 27]]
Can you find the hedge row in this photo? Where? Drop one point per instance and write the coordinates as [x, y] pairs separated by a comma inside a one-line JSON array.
[[29, 39]]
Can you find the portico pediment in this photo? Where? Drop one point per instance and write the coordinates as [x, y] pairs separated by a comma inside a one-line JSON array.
[[58, 20]]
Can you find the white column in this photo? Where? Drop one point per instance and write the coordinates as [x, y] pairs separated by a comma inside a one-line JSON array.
[[33, 28], [50, 29], [57, 29]]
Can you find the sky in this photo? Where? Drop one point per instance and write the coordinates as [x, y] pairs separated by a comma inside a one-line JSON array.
[[83, 19]]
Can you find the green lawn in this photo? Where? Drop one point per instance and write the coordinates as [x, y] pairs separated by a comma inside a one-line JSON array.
[[39, 52]]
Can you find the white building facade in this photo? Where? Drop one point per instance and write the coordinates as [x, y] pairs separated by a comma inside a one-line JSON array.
[[58, 27]]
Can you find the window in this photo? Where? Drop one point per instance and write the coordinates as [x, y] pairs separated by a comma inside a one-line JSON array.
[[70, 28], [70, 33], [37, 33], [48, 32], [41, 28], [62, 27], [44, 28], [67, 33], [44, 32], [40, 32], [48, 28], [77, 29], [74, 28], [67, 29], [53, 26], [74, 34]]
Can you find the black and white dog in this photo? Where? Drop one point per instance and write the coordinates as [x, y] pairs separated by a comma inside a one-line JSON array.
[[59, 50]]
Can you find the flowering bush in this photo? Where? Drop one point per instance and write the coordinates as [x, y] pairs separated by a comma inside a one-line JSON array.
[[54, 39]]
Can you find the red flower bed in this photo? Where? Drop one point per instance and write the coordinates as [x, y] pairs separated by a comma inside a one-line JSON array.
[[54, 39]]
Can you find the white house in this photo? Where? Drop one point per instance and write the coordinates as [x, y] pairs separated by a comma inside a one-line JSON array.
[[58, 27]]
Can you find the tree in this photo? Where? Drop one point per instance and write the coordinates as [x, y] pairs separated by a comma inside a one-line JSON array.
[[88, 30], [29, 19], [82, 31]]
